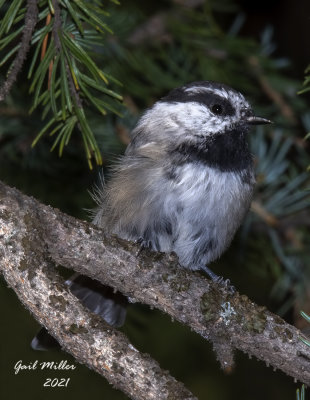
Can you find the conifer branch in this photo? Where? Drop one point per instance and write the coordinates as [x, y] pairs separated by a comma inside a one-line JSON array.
[[57, 31], [74, 80]]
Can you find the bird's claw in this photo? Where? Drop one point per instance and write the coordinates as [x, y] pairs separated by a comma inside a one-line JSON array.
[[144, 244], [225, 283]]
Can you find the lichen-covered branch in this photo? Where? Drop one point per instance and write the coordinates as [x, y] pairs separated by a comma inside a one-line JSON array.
[[230, 321], [27, 268]]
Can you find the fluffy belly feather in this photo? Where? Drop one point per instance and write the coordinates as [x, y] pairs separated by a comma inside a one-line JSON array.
[[212, 205]]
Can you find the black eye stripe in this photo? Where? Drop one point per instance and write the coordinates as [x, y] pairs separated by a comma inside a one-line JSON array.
[[206, 98]]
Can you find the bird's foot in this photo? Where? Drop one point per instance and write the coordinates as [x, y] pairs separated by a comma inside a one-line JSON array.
[[144, 244], [225, 283]]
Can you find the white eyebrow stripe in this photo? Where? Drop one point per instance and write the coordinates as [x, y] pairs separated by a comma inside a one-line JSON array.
[[198, 89], [222, 93], [230, 95], [219, 92]]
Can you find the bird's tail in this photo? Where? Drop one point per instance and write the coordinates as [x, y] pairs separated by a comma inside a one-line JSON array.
[[99, 299]]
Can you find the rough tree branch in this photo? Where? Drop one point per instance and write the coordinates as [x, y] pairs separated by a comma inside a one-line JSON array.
[[28, 269], [229, 321]]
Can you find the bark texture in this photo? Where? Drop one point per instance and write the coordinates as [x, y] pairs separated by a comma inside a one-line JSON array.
[[29, 271], [34, 236]]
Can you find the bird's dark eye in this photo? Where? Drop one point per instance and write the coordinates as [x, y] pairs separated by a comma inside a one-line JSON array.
[[217, 109]]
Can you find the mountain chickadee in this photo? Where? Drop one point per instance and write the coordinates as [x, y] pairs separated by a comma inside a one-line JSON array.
[[184, 184], [186, 181]]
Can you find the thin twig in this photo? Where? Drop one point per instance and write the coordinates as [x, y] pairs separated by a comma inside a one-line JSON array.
[[31, 18]]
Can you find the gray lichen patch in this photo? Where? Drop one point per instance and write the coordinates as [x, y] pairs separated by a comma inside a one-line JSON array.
[[254, 322], [58, 302], [181, 284], [77, 329], [226, 309], [177, 278], [210, 304], [147, 258], [26, 266], [23, 265], [285, 333], [5, 214], [250, 317]]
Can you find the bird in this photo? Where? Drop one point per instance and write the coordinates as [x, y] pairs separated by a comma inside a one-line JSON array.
[[184, 184]]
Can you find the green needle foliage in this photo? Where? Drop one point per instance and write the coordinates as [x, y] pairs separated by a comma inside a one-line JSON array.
[[306, 88], [307, 318], [301, 394], [306, 84], [65, 79]]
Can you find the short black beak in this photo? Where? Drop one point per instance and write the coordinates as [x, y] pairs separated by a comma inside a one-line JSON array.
[[252, 120]]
